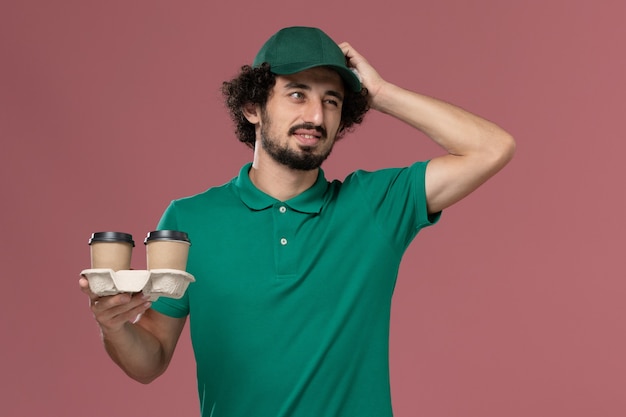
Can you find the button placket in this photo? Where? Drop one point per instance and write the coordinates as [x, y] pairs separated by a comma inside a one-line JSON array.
[[285, 224], [283, 210]]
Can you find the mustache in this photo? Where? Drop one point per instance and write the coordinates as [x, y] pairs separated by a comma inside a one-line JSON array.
[[308, 126]]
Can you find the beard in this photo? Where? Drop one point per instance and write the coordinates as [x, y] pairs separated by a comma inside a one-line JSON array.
[[303, 160]]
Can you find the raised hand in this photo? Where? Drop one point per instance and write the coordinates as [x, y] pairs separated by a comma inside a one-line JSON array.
[[368, 75]]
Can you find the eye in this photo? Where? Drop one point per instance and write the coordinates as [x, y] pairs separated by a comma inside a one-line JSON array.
[[332, 102], [298, 95]]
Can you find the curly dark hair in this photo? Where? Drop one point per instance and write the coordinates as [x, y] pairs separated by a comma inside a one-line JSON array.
[[253, 86]]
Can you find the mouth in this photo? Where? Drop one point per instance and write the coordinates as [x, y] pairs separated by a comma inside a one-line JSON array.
[[308, 135], [307, 139]]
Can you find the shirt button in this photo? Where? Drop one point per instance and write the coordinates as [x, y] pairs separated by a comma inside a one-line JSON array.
[[283, 241], [282, 209]]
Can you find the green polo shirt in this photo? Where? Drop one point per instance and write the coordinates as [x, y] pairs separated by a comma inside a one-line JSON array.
[[289, 314]]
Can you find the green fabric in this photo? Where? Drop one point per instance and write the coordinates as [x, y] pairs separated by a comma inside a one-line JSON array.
[[298, 327], [299, 48]]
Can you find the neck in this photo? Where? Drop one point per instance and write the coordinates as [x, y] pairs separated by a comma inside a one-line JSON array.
[[277, 180]]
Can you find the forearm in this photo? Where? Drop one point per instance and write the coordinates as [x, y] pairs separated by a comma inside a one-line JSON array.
[[457, 131], [142, 348], [136, 351]]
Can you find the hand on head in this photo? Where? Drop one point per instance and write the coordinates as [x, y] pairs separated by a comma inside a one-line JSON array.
[[367, 74]]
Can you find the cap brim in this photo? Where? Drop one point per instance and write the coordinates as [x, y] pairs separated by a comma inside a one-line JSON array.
[[349, 77]]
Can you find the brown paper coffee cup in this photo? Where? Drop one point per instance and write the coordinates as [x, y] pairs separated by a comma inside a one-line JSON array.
[[111, 250], [167, 249]]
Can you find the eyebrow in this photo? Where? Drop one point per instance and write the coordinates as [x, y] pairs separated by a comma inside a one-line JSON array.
[[307, 87]]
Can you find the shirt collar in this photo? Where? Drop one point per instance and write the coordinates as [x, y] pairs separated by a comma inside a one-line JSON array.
[[309, 201]]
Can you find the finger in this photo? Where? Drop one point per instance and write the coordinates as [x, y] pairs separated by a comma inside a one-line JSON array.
[[348, 50], [354, 60], [132, 315], [345, 49], [109, 307], [83, 283], [111, 303], [118, 316]]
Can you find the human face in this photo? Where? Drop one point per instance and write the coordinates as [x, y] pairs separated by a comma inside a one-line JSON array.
[[302, 117]]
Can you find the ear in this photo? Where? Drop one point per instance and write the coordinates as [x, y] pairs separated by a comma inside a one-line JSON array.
[[252, 112]]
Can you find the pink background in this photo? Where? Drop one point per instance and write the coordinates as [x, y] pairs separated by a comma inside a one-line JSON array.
[[512, 306]]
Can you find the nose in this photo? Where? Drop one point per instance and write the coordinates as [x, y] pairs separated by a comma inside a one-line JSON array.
[[314, 112]]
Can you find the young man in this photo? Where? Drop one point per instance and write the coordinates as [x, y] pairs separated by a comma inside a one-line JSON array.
[[289, 314]]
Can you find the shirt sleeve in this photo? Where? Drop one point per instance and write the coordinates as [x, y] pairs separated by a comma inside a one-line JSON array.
[[397, 198]]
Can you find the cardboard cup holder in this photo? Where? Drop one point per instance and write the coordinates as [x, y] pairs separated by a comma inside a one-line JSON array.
[[155, 283]]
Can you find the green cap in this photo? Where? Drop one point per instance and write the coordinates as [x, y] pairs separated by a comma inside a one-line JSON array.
[[298, 48]]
